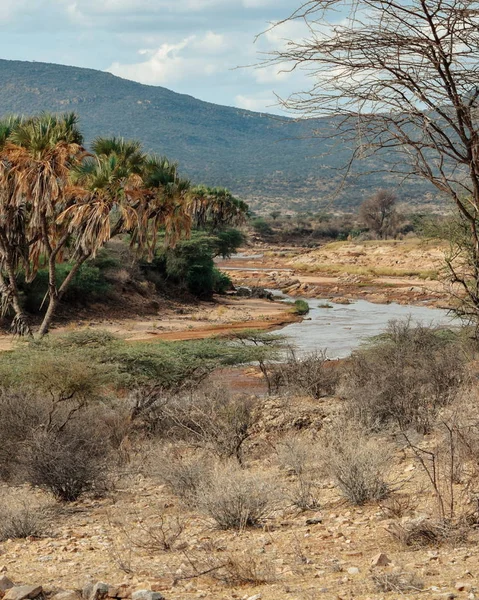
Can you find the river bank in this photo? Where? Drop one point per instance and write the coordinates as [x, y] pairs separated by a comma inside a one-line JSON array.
[[405, 272]]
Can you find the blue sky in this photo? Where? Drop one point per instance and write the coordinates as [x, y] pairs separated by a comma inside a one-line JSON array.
[[189, 46]]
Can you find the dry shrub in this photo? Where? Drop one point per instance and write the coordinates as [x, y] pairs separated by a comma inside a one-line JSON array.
[[236, 498], [28, 418], [297, 454], [157, 531], [398, 506], [22, 517], [21, 412], [404, 378], [245, 569], [427, 532], [397, 581], [183, 473], [212, 420], [358, 463], [310, 375], [67, 462]]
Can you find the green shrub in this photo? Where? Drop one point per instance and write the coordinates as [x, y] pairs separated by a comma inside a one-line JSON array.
[[190, 264], [300, 307], [89, 284]]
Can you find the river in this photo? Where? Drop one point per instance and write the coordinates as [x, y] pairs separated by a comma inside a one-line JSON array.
[[342, 328]]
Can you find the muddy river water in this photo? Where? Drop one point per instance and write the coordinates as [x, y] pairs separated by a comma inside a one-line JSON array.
[[339, 328]]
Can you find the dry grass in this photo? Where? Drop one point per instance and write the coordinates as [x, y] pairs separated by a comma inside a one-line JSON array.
[[367, 271], [22, 516], [397, 581]]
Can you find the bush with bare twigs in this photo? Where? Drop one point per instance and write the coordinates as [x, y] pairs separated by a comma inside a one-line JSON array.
[[404, 378], [310, 375], [358, 463], [398, 581], [183, 473], [215, 421], [67, 462], [22, 517], [235, 498], [297, 454]]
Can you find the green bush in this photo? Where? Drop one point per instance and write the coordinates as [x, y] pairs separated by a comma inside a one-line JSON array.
[[190, 264], [89, 284], [301, 307]]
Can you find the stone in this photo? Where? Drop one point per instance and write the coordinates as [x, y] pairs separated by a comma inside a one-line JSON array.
[[66, 595], [5, 583], [255, 597], [147, 595], [463, 586], [22, 592], [315, 519], [353, 571], [95, 591], [380, 560]]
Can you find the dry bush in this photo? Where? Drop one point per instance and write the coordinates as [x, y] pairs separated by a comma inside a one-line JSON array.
[[67, 462], [212, 420], [297, 454], [310, 375], [398, 506], [22, 517], [397, 581], [423, 532], [404, 378], [155, 532], [358, 463], [245, 569], [237, 498], [21, 412], [183, 473]]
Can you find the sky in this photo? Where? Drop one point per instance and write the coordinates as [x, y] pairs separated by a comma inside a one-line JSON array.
[[190, 46]]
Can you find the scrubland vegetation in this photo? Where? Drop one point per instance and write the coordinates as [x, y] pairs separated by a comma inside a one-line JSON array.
[[84, 412]]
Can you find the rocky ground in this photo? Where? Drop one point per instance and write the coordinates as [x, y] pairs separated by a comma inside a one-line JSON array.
[[334, 551], [407, 272]]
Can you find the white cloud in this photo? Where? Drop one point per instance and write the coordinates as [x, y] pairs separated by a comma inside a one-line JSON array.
[[193, 56], [257, 102], [11, 8]]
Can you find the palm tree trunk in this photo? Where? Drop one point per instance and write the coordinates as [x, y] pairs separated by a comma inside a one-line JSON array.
[[20, 325], [56, 294]]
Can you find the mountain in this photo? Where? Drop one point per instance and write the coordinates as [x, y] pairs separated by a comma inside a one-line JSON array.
[[269, 161]]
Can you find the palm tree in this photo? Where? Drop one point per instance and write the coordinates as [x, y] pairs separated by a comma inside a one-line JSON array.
[[216, 207], [40, 151], [13, 236]]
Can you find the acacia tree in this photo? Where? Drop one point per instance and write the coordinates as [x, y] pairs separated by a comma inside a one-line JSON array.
[[379, 214], [400, 76]]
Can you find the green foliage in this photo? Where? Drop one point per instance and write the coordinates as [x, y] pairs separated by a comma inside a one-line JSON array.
[[89, 364], [191, 262], [89, 284], [261, 226], [301, 307]]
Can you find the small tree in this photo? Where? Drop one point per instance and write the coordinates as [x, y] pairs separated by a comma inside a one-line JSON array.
[[379, 213]]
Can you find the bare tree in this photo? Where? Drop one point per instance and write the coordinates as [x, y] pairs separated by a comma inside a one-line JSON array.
[[379, 214], [400, 76]]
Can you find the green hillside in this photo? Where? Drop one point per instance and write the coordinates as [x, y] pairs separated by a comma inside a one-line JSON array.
[[268, 160]]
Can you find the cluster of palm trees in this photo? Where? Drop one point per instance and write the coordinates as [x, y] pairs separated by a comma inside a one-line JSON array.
[[59, 202]]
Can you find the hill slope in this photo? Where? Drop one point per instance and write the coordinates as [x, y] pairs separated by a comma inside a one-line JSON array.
[[260, 157]]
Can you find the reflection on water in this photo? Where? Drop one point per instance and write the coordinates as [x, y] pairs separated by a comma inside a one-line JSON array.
[[341, 328]]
